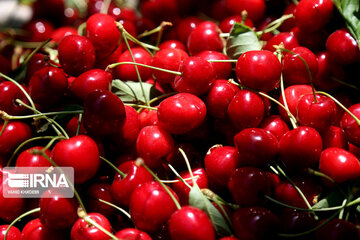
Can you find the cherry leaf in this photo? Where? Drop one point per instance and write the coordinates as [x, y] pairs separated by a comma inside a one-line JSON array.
[[331, 200], [242, 39]]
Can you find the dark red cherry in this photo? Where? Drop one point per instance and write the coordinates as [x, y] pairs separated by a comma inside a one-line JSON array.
[[159, 10], [300, 148], [176, 159], [28, 159], [58, 34], [132, 234], [36, 62], [222, 69], [76, 54], [289, 23], [287, 38], [275, 125], [191, 223], [256, 146], [82, 230], [9, 93], [100, 191], [248, 185], [350, 126], [13, 135], [181, 113], [35, 230], [255, 9], [103, 112], [5, 66], [246, 109], [186, 26], [13, 233], [339, 164], [293, 221], [337, 229], [226, 24], [314, 41], [38, 30], [335, 137]]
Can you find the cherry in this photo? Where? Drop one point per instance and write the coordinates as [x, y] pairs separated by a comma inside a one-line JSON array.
[[197, 76], [228, 238], [132, 234], [127, 71], [255, 9], [176, 159], [151, 206], [148, 117], [82, 230], [226, 24], [153, 144], [338, 229], [36, 62], [102, 32], [9, 93], [80, 152], [28, 159], [300, 148], [205, 37], [101, 191], [246, 109], [294, 69], [262, 26], [103, 112], [313, 15], [335, 137], [220, 162], [287, 38], [350, 126], [57, 212], [122, 13], [191, 223], [258, 69], [293, 221], [222, 69], [342, 47], [248, 185], [13, 233], [90, 81], [275, 125], [58, 34], [172, 44], [170, 59], [256, 146], [186, 26], [315, 41], [289, 23], [319, 115], [122, 187], [76, 54], [14, 134], [38, 30], [35, 230], [159, 10], [5, 66], [48, 85], [255, 223], [181, 113], [339, 164], [72, 127], [110, 59]]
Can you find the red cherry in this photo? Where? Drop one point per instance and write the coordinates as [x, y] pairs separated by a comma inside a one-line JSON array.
[[339, 164], [148, 117], [28, 159], [80, 152], [255, 9], [14, 134], [293, 221], [58, 34], [350, 126], [13, 233], [100, 191], [132, 234], [287, 38], [82, 230], [122, 13], [39, 30], [76, 54], [35, 230], [159, 10], [222, 69], [186, 26], [36, 62], [151, 206], [191, 223], [275, 125], [259, 69], [289, 23], [262, 26], [315, 41], [300, 148], [9, 93], [226, 24], [335, 137], [246, 109], [172, 44]]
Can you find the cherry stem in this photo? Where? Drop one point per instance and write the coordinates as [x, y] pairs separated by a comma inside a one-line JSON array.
[[19, 218], [345, 83], [43, 44], [319, 174], [275, 24], [4, 127], [140, 106], [6, 116], [161, 97], [188, 166], [180, 180], [155, 30], [222, 60], [105, 6], [51, 142], [140, 162], [116, 207], [28, 44], [341, 213], [341, 105], [178, 175], [123, 175], [143, 65], [79, 125], [160, 34], [81, 29], [98, 226]]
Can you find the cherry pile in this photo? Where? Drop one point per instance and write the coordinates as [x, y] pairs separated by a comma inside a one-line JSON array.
[[182, 119]]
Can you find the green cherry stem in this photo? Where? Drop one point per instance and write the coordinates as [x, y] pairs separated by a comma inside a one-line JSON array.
[[4, 115], [116, 207], [19, 218], [188, 166], [3, 127], [222, 61], [154, 30], [275, 24], [105, 6], [140, 106], [178, 176], [79, 124], [123, 175], [98, 226], [161, 97], [143, 65]]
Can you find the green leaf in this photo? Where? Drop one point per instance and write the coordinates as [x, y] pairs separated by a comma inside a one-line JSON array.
[[333, 199], [241, 39], [131, 92], [198, 200]]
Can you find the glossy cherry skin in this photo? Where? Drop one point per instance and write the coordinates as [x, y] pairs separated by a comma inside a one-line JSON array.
[[100, 190], [248, 185], [58, 34], [102, 32], [314, 41], [28, 159], [226, 24], [342, 47], [14, 134], [259, 70], [197, 76], [80, 152], [222, 69], [338, 229], [153, 144], [350, 126], [289, 23], [219, 98], [127, 71], [255, 9], [151, 206], [82, 230], [181, 113], [103, 112], [39, 30], [287, 38], [76, 54], [255, 223], [293, 221], [186, 26], [220, 162], [339, 164], [36, 62], [246, 109], [9, 93], [294, 69], [190, 223], [57, 212], [319, 115], [275, 125], [48, 85], [335, 137], [256, 146], [35, 230], [312, 16], [148, 117], [132, 234], [170, 59], [122, 188], [300, 148], [205, 37], [172, 44], [90, 81], [13, 233]]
